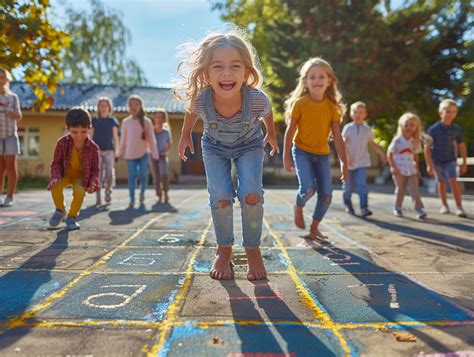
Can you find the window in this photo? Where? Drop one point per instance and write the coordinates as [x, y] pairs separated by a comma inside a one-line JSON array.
[[29, 142]]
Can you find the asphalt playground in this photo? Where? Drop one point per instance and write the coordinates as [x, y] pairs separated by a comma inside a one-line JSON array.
[[134, 282]]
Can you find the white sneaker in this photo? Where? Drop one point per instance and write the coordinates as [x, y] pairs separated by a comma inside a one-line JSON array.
[[420, 214], [8, 202], [460, 212], [397, 212], [444, 209]]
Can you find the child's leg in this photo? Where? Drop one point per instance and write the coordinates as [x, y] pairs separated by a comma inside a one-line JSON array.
[[219, 184], [2, 172], [413, 185], [400, 186], [57, 193], [249, 167], [12, 174], [361, 187], [78, 194], [143, 175], [101, 176], [456, 191], [164, 176], [109, 160], [306, 189], [132, 178], [322, 170], [347, 188], [155, 173]]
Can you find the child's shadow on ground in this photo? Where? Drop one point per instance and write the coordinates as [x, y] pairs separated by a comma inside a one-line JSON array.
[[163, 207], [126, 216]]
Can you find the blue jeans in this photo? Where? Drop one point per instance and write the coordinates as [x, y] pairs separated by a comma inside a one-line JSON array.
[[446, 171], [314, 174], [248, 159], [357, 182], [137, 168]]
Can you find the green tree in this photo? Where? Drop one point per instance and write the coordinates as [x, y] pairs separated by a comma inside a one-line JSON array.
[[30, 42], [98, 49], [393, 58]]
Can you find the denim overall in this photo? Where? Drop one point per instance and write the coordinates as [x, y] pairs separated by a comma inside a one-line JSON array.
[[239, 140]]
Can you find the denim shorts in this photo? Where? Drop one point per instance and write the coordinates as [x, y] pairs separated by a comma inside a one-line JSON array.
[[446, 171], [10, 145]]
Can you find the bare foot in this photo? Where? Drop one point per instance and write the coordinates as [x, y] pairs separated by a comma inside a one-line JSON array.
[[315, 233], [221, 269], [256, 268], [299, 218]]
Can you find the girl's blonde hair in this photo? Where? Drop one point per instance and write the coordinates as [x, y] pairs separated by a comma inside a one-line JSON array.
[[166, 116], [7, 74], [332, 93], [106, 100], [193, 70], [417, 135], [141, 113]]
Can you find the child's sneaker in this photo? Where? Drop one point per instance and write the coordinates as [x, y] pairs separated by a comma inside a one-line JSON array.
[[460, 212], [444, 209], [350, 210], [420, 214], [365, 212], [57, 218], [71, 224], [397, 212], [7, 202]]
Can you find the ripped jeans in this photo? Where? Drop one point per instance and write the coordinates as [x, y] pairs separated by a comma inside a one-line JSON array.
[[248, 159], [314, 175]]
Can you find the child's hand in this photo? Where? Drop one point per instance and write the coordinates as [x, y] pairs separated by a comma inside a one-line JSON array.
[[345, 173], [272, 140], [90, 189], [463, 169], [430, 170], [383, 157], [395, 171], [288, 164], [186, 141], [53, 183]]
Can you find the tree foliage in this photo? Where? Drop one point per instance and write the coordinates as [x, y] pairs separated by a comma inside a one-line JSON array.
[[29, 41], [394, 58], [98, 49]]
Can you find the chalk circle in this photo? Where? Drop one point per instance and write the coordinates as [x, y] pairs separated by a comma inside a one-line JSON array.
[[344, 259], [168, 239], [126, 298]]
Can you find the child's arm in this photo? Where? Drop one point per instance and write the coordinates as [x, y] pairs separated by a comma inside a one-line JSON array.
[[393, 166], [15, 114], [417, 160], [429, 161], [116, 139], [379, 151], [94, 179], [340, 149], [56, 167], [463, 151], [123, 139], [289, 135], [186, 140], [270, 137], [152, 141]]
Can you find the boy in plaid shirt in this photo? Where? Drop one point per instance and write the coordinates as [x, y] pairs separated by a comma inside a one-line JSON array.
[[76, 164]]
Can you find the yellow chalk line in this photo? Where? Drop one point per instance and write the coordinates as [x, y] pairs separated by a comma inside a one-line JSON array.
[[173, 309], [18, 320], [306, 297]]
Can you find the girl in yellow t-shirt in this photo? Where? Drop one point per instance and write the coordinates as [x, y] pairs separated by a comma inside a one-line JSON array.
[[313, 111]]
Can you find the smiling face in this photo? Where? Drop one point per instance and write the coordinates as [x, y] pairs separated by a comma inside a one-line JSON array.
[[227, 72], [316, 82], [359, 114], [78, 134], [134, 107], [409, 127]]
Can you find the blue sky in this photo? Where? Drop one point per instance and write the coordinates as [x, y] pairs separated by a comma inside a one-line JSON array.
[[158, 27]]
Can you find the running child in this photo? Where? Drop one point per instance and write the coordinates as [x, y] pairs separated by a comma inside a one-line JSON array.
[[314, 110], [104, 132], [403, 154], [75, 164], [222, 88], [136, 141], [357, 138], [159, 168]]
